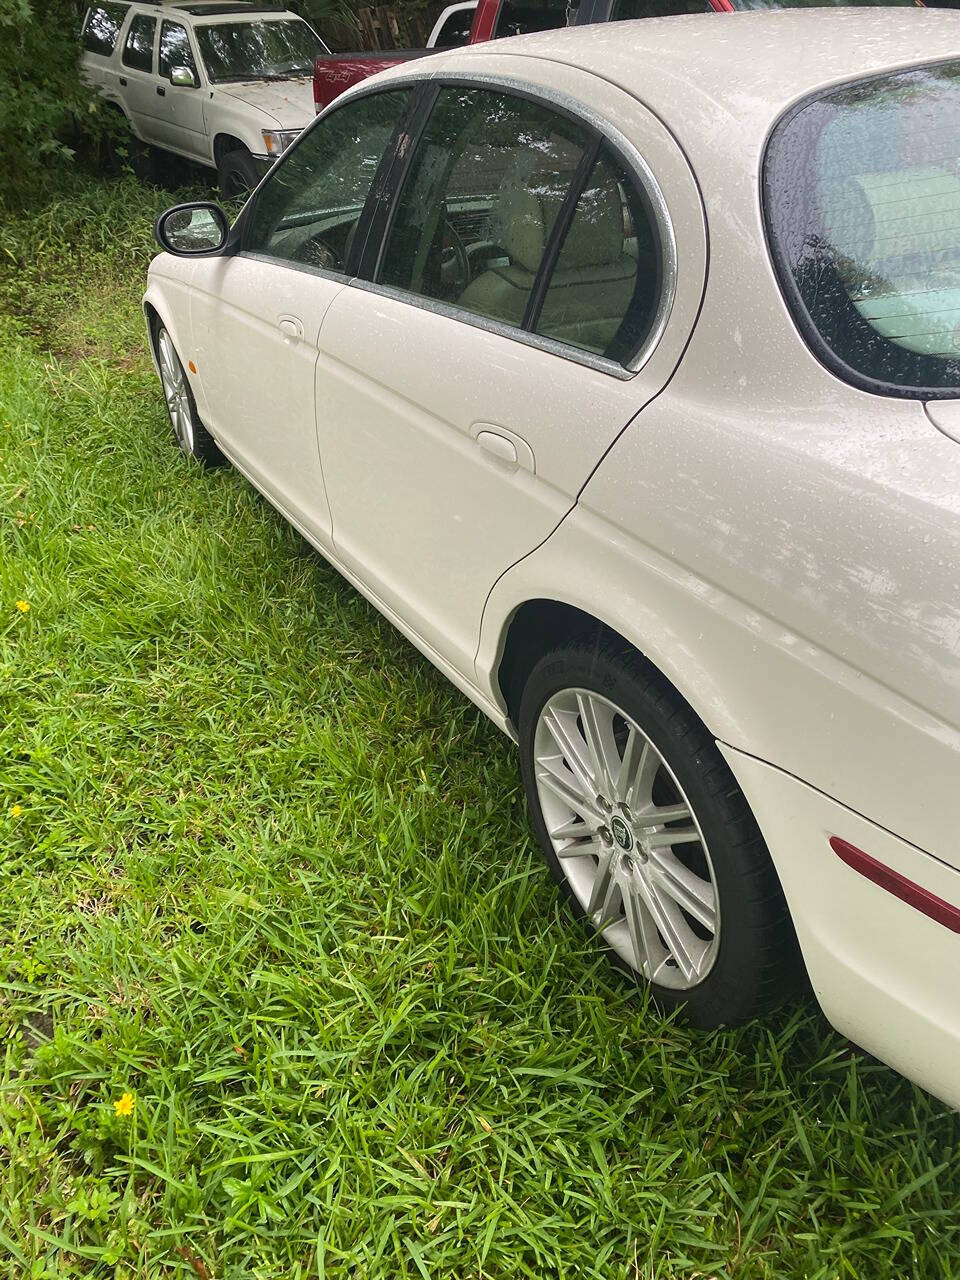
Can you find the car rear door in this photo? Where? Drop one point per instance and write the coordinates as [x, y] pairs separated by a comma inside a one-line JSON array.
[[453, 440]]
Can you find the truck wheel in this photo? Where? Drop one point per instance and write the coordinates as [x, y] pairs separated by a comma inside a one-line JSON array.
[[237, 173]]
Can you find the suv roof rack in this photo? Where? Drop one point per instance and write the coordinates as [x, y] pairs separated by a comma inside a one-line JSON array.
[[222, 6]]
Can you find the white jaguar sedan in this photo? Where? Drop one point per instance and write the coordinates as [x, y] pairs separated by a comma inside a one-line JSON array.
[[620, 368]]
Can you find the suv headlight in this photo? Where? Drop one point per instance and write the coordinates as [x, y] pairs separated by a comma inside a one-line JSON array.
[[276, 141]]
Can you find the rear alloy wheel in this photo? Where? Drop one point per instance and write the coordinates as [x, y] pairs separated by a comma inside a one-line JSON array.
[[191, 435], [646, 831]]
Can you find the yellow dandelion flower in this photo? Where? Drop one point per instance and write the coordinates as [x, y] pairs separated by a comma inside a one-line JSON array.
[[23, 606], [124, 1105], [16, 810]]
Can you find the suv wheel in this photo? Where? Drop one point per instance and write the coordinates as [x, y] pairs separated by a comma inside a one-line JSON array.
[[237, 173], [649, 836]]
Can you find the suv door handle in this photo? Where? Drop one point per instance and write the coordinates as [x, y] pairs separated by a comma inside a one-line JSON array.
[[161, 91], [291, 328], [123, 81]]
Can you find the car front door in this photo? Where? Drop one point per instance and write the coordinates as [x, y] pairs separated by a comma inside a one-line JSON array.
[[515, 323], [138, 78], [256, 317], [179, 119]]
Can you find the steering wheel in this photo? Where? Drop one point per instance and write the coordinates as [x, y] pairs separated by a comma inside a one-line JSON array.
[[454, 262], [317, 252]]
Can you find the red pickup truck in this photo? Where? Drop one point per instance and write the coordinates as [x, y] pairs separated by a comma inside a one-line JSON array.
[[493, 19]]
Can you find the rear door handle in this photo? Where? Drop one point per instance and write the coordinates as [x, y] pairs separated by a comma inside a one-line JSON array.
[[291, 328], [123, 81], [161, 91], [506, 446]]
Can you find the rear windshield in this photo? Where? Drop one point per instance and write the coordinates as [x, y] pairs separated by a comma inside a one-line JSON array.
[[258, 50], [862, 199]]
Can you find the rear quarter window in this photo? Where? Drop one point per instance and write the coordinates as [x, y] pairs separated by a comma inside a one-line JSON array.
[[102, 27], [861, 193]]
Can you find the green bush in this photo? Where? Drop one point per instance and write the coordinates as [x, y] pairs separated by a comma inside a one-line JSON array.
[[45, 110]]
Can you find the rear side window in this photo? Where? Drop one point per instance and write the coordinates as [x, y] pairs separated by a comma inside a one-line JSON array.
[[480, 201], [102, 27], [175, 49], [862, 201], [516, 213], [602, 295], [138, 49]]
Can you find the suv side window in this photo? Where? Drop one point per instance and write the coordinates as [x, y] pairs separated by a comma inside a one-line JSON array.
[[520, 17], [138, 49], [605, 287], [308, 210], [623, 9], [102, 27], [175, 50], [479, 202]]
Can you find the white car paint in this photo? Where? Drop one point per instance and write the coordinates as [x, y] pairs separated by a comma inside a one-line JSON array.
[[784, 547], [190, 121]]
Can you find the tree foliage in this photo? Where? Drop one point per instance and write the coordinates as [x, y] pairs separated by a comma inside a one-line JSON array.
[[44, 107]]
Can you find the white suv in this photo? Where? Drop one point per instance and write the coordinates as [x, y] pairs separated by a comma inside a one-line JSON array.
[[225, 84]]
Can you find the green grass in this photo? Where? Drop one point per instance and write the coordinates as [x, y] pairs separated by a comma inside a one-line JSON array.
[[272, 875]]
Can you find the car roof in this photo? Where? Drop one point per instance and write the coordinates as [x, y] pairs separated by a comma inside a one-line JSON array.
[[212, 8], [721, 78]]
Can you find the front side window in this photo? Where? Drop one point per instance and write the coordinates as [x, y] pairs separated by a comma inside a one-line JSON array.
[[262, 50], [603, 293], [175, 49], [480, 200], [138, 49], [862, 200], [308, 210], [102, 27]]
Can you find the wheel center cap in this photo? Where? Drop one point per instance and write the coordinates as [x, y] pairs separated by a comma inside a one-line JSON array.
[[621, 833]]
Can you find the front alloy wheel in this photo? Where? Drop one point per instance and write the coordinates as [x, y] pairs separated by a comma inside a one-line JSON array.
[[646, 831], [191, 435]]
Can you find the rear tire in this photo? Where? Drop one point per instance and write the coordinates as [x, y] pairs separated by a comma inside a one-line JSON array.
[[237, 173], [189, 432], [699, 917]]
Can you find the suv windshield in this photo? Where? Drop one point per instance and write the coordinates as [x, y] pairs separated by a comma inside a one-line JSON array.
[[262, 50], [862, 198]]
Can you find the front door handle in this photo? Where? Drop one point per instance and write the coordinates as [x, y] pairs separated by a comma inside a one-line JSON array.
[[291, 328], [123, 81], [161, 91]]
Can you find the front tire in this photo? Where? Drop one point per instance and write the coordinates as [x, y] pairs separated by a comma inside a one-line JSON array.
[[648, 835], [189, 432], [237, 174]]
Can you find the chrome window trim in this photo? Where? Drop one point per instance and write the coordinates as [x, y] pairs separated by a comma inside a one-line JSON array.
[[563, 349]]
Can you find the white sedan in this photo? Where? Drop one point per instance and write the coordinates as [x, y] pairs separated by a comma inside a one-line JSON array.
[[620, 368]]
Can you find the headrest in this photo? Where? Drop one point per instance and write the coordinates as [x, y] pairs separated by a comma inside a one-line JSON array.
[[522, 231], [527, 215]]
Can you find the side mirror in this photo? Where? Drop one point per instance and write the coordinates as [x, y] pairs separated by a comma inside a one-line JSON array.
[[189, 230], [183, 78]]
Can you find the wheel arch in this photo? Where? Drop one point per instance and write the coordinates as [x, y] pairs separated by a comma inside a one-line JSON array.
[[541, 623], [224, 143]]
